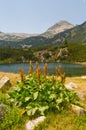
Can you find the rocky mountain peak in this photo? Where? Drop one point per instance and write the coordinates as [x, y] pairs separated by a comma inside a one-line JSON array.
[[63, 22], [57, 28]]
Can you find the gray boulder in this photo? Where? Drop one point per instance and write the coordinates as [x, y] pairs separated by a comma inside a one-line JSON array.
[[78, 110], [5, 82]]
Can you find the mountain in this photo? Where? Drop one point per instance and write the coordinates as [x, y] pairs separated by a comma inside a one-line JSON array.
[[55, 35], [46, 37], [73, 35], [14, 36], [76, 34], [60, 26]]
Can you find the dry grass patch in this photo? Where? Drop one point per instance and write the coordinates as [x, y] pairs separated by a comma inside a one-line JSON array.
[[12, 76], [79, 81]]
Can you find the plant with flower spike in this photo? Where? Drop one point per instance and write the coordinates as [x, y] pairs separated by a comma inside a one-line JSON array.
[[22, 75], [31, 68], [37, 65], [61, 74], [39, 72], [37, 95], [45, 70]]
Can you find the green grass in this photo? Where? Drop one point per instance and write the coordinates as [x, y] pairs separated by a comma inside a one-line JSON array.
[[66, 120], [12, 119]]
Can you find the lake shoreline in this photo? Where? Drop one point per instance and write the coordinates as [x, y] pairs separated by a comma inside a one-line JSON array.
[[82, 63]]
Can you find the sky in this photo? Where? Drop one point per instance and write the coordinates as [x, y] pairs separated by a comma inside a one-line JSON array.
[[36, 16]]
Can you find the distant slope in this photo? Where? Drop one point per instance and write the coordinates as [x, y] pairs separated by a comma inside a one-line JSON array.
[[60, 26], [76, 34], [14, 36]]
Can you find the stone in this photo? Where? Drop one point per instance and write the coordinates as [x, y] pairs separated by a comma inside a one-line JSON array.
[[5, 81], [83, 77], [80, 94], [78, 110], [71, 86], [30, 125]]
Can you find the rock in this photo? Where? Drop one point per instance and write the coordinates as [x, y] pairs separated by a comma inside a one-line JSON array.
[[5, 81], [80, 94], [30, 125], [63, 52], [71, 86], [83, 77], [78, 110]]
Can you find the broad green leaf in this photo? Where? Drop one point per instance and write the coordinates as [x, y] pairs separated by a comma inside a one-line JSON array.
[[57, 106], [60, 100], [29, 112], [35, 95], [28, 107], [42, 109], [32, 111], [52, 96], [27, 99], [12, 99]]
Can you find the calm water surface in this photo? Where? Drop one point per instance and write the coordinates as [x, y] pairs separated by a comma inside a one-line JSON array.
[[70, 69]]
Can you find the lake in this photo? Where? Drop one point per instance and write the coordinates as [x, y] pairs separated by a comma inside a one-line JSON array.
[[70, 69]]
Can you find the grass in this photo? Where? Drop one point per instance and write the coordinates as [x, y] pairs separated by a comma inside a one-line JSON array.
[[12, 118], [81, 83], [12, 76], [66, 120]]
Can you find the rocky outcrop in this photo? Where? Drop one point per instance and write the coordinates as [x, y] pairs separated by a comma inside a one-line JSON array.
[[63, 52]]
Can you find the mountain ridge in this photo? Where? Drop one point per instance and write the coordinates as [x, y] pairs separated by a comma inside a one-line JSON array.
[[52, 30], [14, 36], [76, 34]]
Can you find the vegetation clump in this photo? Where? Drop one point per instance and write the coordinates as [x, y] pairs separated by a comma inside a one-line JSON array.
[[10, 118], [37, 94]]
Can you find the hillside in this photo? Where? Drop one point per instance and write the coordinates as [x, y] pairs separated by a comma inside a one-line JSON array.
[[74, 35], [67, 53], [21, 40], [59, 27], [14, 36]]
